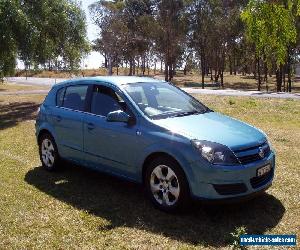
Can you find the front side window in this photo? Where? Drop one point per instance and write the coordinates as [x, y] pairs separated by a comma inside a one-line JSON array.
[[105, 100], [160, 100], [75, 97]]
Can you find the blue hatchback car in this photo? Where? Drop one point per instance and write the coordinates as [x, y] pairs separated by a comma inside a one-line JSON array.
[[151, 132]]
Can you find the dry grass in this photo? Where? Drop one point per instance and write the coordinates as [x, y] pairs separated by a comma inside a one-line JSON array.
[[192, 79], [78, 208], [11, 87], [238, 82], [85, 73]]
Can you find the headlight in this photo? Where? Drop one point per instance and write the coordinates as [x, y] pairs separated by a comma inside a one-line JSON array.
[[215, 153]]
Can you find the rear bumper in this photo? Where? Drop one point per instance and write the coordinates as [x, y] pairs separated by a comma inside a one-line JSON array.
[[231, 182]]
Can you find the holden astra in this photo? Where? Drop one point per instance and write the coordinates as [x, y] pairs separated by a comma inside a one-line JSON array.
[[151, 132]]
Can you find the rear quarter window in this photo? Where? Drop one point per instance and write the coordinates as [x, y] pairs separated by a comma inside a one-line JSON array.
[[60, 97]]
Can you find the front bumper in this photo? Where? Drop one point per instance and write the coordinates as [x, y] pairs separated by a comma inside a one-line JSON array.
[[226, 182]]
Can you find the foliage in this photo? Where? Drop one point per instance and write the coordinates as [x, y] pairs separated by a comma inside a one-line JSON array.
[[40, 33], [271, 28]]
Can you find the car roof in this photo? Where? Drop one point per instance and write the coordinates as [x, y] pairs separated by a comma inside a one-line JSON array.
[[114, 80]]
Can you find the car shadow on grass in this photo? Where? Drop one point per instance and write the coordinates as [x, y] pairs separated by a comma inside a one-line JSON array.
[[13, 113], [124, 204]]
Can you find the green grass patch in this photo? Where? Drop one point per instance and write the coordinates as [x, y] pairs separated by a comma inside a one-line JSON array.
[[78, 208]]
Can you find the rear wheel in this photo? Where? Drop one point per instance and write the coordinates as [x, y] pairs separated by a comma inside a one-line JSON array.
[[166, 184], [48, 152]]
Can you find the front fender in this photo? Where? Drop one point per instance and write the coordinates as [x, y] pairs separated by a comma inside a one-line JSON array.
[[175, 150]]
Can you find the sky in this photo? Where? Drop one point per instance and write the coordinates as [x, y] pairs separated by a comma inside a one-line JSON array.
[[94, 60]]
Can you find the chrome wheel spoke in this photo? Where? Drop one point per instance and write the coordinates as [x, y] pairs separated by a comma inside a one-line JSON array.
[[51, 158], [174, 191], [158, 173], [155, 188], [165, 199], [44, 151], [170, 175], [44, 157], [50, 147]]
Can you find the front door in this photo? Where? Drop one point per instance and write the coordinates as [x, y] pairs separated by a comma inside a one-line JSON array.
[[111, 146]]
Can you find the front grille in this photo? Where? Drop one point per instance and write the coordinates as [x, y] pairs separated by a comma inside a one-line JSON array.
[[249, 158], [249, 155], [230, 189], [257, 182]]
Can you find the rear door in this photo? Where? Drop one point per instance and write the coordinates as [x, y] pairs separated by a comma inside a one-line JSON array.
[[68, 121]]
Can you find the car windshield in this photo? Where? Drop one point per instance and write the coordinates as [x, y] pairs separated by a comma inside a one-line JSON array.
[[159, 100]]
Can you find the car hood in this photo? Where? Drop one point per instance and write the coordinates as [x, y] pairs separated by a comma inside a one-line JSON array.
[[214, 127]]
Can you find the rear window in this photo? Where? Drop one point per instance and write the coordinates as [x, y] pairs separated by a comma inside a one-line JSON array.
[[74, 97]]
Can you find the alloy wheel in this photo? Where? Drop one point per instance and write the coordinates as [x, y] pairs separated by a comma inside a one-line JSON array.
[[164, 185], [48, 153]]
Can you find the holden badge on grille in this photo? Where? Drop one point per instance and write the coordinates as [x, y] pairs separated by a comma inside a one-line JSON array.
[[261, 152]]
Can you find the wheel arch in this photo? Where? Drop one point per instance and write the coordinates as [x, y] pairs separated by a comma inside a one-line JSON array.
[[42, 132], [154, 155]]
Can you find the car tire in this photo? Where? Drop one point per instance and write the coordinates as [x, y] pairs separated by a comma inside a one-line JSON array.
[[166, 185], [48, 152]]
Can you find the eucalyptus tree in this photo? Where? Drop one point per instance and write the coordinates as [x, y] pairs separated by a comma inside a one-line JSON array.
[[271, 27], [171, 32], [10, 22], [125, 30], [39, 32]]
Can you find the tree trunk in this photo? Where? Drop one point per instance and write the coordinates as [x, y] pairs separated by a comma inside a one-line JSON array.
[[283, 78], [26, 75], [259, 74], [170, 72], [133, 66], [130, 68], [279, 79], [144, 65], [148, 68], [222, 78], [266, 77], [109, 66], [230, 65], [105, 61], [166, 72], [202, 70], [289, 87]]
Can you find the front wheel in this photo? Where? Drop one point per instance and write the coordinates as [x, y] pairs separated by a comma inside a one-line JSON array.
[[48, 152], [166, 184]]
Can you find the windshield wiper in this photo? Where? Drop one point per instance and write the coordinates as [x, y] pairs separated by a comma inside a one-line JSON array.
[[187, 113]]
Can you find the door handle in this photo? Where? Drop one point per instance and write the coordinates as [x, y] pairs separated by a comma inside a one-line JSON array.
[[58, 118], [90, 126]]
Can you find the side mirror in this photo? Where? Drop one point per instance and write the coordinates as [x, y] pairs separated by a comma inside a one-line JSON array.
[[118, 116]]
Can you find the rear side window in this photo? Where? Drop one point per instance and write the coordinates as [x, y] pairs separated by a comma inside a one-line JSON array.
[[74, 97], [60, 97]]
